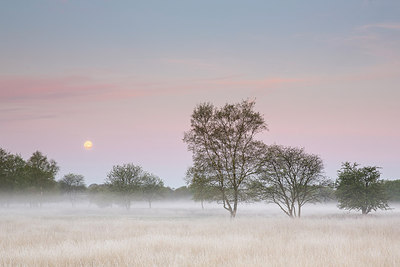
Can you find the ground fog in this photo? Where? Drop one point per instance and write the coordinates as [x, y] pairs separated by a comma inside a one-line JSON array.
[[176, 234]]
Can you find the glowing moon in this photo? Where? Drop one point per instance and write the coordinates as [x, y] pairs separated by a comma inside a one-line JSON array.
[[88, 145]]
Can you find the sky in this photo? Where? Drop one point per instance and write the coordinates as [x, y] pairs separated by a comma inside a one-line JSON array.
[[128, 74]]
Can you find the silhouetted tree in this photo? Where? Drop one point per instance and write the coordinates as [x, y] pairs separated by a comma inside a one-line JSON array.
[[201, 186], [72, 184], [151, 187], [125, 180], [12, 174], [223, 143], [392, 188], [291, 178], [100, 195], [40, 174], [360, 188]]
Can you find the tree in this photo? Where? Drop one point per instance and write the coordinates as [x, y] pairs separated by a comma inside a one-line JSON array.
[[360, 188], [72, 184], [126, 180], [11, 167], [12, 174], [291, 178], [223, 143], [201, 186], [151, 187], [40, 174], [181, 193], [100, 195], [392, 189]]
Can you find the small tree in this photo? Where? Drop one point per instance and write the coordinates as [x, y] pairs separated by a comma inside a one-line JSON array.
[[223, 143], [392, 188], [100, 195], [151, 187], [12, 174], [125, 180], [40, 174], [72, 184], [201, 186], [291, 179], [360, 188]]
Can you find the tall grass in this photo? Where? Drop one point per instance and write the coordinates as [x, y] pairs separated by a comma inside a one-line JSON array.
[[103, 240]]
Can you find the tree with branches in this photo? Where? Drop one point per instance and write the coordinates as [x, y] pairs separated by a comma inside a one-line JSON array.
[[40, 175], [223, 142], [126, 180], [291, 178], [151, 187], [72, 184], [202, 186]]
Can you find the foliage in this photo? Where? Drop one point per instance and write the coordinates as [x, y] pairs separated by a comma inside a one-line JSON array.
[[201, 186], [181, 193], [12, 171], [126, 180], [223, 144], [291, 179], [130, 180], [392, 189], [71, 184], [151, 187], [100, 195], [326, 193], [40, 172], [360, 188]]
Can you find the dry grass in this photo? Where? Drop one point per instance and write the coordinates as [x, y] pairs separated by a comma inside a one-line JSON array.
[[104, 240]]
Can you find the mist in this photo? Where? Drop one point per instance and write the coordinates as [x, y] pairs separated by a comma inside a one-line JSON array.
[[180, 233]]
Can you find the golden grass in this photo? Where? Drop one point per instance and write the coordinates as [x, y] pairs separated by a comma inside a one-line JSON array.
[[95, 240]]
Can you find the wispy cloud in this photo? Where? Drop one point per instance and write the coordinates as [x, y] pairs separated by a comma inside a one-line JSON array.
[[390, 26], [23, 88]]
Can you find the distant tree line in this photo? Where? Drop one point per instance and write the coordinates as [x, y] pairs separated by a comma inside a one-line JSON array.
[[229, 166], [34, 181]]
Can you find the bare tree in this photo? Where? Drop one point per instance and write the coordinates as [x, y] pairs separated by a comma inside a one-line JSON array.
[[291, 178], [223, 142]]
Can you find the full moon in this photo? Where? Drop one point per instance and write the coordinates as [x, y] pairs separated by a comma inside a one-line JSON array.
[[88, 145]]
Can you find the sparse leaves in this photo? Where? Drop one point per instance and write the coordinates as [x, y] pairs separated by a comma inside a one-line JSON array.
[[223, 144], [290, 179]]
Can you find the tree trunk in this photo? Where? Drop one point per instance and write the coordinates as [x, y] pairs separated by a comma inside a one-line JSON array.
[[235, 204], [233, 214], [364, 210], [202, 204], [128, 204], [299, 211]]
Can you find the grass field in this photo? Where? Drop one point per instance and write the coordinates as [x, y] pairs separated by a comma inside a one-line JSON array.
[[183, 237]]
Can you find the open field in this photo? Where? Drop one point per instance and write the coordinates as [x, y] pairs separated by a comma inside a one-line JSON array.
[[177, 236]]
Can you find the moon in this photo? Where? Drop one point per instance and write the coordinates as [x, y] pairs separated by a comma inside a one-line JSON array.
[[88, 145]]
